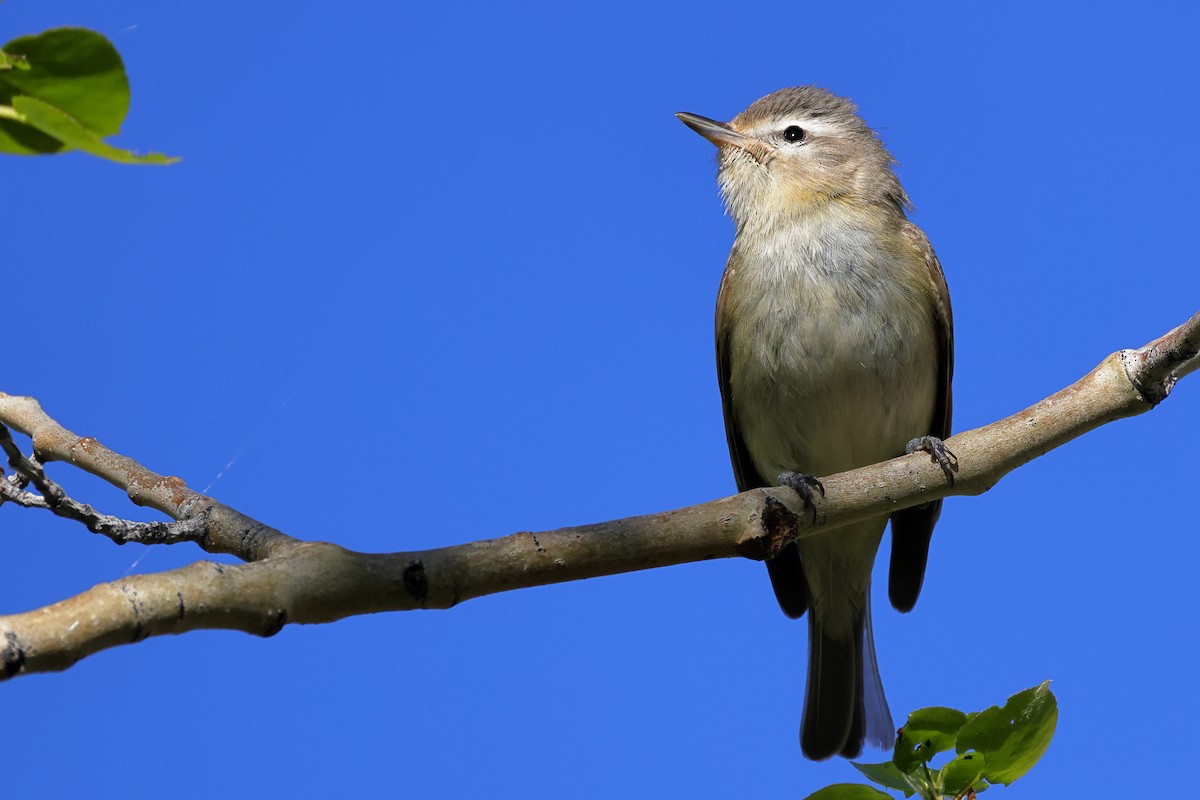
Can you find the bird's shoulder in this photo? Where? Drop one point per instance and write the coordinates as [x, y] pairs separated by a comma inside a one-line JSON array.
[[926, 259]]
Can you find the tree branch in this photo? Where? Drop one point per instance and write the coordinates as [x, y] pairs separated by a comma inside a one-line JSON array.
[[290, 581]]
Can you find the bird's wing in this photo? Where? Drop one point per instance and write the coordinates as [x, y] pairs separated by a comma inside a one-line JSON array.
[[786, 571], [744, 472], [913, 527]]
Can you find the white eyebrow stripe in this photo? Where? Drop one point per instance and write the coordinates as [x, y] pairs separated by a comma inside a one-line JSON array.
[[815, 127]]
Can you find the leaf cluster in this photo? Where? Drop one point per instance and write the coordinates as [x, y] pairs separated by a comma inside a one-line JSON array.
[[997, 745]]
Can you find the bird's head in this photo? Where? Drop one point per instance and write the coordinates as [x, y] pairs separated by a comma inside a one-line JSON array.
[[794, 152]]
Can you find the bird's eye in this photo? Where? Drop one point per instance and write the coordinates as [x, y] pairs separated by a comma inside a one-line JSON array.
[[793, 133]]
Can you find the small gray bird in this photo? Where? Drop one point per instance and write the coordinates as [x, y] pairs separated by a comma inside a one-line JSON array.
[[835, 350]]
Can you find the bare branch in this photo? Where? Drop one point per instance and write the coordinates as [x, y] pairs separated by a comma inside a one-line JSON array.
[[290, 581]]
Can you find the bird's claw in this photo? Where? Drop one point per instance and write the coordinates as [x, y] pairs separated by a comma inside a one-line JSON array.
[[803, 484], [938, 453]]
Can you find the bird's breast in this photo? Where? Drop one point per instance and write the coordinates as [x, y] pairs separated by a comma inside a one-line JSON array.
[[833, 356]]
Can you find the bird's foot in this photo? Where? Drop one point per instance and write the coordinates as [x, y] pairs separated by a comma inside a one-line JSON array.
[[938, 452], [803, 484]]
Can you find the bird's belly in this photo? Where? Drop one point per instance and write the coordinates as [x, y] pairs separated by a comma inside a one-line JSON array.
[[841, 381]]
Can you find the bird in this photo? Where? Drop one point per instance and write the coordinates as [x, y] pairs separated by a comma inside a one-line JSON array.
[[835, 350]]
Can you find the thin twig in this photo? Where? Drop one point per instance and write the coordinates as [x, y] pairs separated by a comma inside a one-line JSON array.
[[236, 534], [9, 492], [55, 498]]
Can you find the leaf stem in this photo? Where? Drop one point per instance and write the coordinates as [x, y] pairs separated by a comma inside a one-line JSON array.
[[8, 112]]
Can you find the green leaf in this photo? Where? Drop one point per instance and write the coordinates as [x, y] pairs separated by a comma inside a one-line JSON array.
[[849, 791], [52, 121], [887, 774], [64, 89], [962, 773], [927, 732], [75, 70], [1014, 737]]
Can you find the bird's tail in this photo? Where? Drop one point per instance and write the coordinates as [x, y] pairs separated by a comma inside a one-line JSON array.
[[844, 704]]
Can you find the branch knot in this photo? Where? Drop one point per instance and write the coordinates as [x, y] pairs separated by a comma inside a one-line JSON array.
[[779, 526]]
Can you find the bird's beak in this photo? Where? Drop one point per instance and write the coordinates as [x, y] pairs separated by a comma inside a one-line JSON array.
[[716, 132]]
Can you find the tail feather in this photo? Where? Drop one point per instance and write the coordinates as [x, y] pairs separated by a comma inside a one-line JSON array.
[[831, 696], [880, 730], [858, 722], [844, 704]]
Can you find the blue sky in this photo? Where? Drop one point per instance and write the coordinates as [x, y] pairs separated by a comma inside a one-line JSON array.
[[434, 273]]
